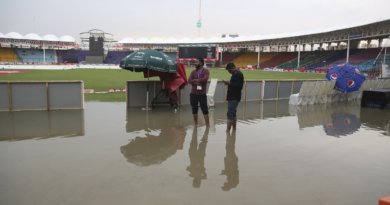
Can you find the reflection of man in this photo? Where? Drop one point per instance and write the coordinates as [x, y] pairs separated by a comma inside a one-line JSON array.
[[231, 163], [197, 155]]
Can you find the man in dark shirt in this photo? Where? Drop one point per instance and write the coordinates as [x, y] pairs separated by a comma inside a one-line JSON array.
[[233, 94]]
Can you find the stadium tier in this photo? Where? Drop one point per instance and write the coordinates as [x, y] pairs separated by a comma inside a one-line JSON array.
[[246, 59], [32, 56], [71, 56], [8, 55], [228, 57], [114, 57], [315, 60], [272, 60]]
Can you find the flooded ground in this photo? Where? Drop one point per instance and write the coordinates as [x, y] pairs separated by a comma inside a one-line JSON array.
[[107, 154]]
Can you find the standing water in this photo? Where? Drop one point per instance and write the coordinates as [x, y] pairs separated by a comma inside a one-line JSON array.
[[109, 154]]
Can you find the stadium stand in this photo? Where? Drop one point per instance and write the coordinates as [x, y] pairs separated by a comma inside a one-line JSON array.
[[246, 59], [228, 57], [114, 57], [8, 55], [331, 56], [274, 59], [32, 56], [71, 56], [264, 57]]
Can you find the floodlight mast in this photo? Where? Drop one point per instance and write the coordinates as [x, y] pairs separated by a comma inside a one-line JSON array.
[[348, 46], [199, 23]]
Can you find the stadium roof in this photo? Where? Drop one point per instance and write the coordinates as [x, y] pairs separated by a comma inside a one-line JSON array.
[[158, 40], [228, 39], [13, 35], [34, 36]]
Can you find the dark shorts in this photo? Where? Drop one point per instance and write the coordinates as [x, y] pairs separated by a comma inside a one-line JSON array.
[[195, 100], [232, 109]]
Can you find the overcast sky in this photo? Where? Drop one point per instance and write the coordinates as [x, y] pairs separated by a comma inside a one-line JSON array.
[[177, 18]]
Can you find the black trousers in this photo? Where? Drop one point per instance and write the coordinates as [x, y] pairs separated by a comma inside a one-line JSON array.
[[195, 100]]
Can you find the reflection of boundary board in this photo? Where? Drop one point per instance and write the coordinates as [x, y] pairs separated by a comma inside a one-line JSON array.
[[157, 119], [41, 95], [376, 119], [41, 124]]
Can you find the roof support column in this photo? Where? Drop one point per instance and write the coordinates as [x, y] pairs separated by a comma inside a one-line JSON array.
[[258, 57], [299, 55]]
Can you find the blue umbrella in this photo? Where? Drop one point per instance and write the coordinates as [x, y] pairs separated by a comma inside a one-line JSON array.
[[348, 77]]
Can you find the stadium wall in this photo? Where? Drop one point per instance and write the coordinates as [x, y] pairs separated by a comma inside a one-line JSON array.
[[41, 95], [252, 91]]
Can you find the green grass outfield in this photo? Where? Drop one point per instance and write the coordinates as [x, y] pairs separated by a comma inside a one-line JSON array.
[[105, 79]]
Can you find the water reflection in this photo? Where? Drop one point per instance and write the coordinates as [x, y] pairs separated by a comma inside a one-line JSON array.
[[155, 119], [197, 153], [23, 125], [337, 119], [342, 119], [342, 124], [321, 114], [139, 120], [376, 119], [154, 149], [231, 163], [294, 166]]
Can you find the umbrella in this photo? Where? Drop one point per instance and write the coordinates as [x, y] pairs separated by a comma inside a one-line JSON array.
[[342, 124], [348, 77], [148, 61]]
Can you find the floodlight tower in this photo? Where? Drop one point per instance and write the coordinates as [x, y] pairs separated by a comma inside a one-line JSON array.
[[199, 23]]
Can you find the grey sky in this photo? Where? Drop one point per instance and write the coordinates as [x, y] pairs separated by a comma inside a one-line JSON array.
[[177, 18]]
